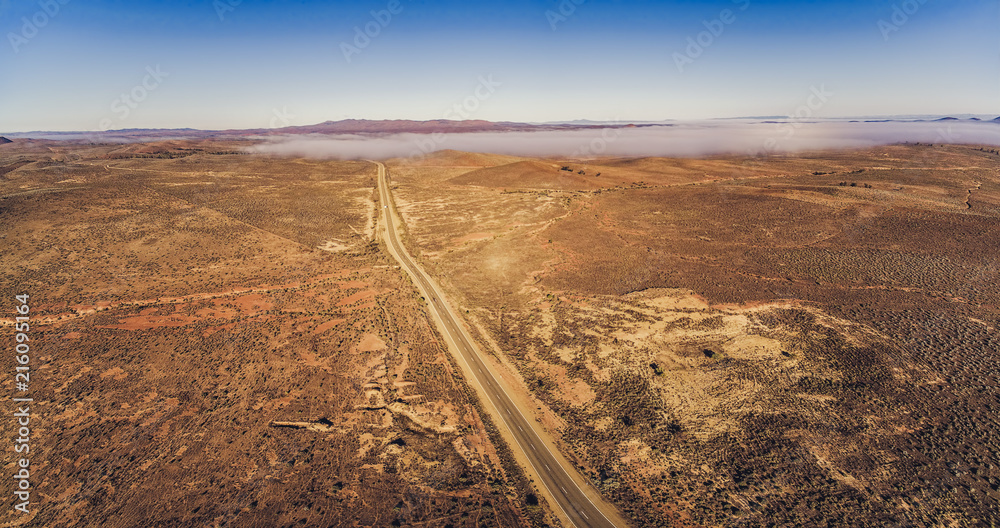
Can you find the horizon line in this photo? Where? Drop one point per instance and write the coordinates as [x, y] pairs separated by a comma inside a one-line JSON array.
[[580, 121]]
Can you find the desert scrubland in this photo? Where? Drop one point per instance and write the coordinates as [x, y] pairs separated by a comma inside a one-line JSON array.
[[743, 341]]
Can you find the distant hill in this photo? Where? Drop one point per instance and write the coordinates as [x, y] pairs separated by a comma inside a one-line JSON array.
[[396, 126], [4, 140], [368, 127], [399, 126], [345, 126]]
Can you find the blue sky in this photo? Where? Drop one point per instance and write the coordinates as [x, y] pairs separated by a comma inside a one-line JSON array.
[[87, 64]]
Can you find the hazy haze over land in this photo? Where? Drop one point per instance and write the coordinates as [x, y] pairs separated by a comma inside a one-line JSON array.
[[683, 139]]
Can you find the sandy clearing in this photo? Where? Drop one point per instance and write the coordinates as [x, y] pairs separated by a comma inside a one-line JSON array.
[[116, 373], [327, 325], [371, 343], [351, 299]]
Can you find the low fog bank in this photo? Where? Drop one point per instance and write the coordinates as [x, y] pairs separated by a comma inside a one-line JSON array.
[[681, 140]]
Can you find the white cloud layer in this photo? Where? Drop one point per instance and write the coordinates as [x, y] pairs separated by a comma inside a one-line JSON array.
[[682, 140]]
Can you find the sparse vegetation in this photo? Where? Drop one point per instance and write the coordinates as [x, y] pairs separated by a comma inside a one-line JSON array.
[[206, 364], [714, 341], [725, 341]]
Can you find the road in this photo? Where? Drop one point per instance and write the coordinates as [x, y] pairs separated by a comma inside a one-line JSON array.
[[575, 498]]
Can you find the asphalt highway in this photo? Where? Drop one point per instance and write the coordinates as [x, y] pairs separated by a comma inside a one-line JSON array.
[[576, 503]]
